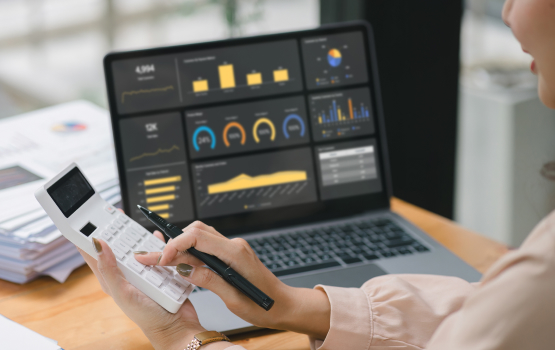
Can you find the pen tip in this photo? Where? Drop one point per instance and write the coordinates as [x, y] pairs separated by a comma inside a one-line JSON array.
[[138, 206]]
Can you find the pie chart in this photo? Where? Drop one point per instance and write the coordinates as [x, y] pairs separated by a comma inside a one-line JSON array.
[[334, 57]]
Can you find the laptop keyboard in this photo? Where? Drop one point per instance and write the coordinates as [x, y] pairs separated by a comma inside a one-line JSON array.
[[328, 246]]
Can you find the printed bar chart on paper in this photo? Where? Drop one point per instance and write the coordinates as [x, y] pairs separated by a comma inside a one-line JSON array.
[[341, 114], [254, 182]]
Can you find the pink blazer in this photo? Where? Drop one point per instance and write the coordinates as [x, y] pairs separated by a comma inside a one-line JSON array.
[[511, 308]]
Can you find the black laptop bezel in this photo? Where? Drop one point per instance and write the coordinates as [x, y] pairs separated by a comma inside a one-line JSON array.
[[285, 216]]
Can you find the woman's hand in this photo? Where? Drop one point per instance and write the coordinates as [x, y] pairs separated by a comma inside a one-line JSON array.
[[165, 330], [297, 309]]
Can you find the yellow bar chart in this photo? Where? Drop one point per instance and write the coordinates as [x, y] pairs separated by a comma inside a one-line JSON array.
[[200, 85], [254, 78], [281, 75], [227, 76], [169, 197], [163, 180], [159, 207], [160, 190]]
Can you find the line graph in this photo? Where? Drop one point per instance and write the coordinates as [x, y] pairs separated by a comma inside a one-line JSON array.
[[144, 91], [153, 154]]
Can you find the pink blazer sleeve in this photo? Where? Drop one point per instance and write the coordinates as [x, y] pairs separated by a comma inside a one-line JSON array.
[[513, 307], [394, 311]]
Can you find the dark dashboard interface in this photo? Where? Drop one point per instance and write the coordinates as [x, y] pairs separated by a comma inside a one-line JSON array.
[[234, 128]]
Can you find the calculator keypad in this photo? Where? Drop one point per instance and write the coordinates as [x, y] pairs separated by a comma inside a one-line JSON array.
[[124, 236]]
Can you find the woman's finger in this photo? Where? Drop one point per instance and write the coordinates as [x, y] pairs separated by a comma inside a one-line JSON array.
[[108, 268], [93, 265], [202, 240], [201, 225]]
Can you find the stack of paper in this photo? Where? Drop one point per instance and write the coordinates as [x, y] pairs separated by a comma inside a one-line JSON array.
[[33, 148]]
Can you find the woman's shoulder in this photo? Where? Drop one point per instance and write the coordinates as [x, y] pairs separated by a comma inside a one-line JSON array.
[[545, 229]]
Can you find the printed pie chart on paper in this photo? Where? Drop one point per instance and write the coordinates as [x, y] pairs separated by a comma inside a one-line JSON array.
[[334, 57]]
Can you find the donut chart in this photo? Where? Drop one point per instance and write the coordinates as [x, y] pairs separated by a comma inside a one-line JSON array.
[[263, 121], [288, 119], [209, 131], [334, 57], [234, 125]]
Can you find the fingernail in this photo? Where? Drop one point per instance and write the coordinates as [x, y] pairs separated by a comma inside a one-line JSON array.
[[159, 258], [140, 252], [185, 270], [97, 246]]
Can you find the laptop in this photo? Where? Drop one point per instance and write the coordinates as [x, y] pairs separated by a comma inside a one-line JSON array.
[[278, 139]]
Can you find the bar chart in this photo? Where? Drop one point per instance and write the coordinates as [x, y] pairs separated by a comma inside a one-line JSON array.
[[240, 72], [341, 114]]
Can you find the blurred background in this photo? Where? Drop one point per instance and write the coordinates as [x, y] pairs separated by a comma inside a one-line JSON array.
[[468, 136]]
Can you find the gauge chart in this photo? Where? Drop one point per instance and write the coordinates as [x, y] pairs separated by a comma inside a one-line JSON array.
[[341, 114], [335, 60], [255, 182], [240, 72], [247, 127], [156, 166]]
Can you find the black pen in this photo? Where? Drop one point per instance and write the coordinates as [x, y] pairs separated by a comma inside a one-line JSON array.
[[218, 266]]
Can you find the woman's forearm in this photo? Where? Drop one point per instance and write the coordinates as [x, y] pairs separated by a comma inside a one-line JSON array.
[[307, 311]]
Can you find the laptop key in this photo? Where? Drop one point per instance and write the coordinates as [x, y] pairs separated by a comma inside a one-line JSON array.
[[398, 243], [388, 254], [421, 248], [370, 256], [307, 268], [352, 260]]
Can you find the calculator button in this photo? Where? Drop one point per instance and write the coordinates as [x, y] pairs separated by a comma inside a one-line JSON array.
[[149, 247], [105, 235], [110, 209], [177, 285], [118, 223], [112, 229], [128, 240], [154, 279], [135, 265], [158, 273], [173, 293], [124, 219], [158, 243], [133, 234], [160, 270], [122, 246], [141, 231], [118, 253]]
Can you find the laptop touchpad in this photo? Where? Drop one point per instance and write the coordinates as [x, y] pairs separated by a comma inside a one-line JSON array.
[[347, 277]]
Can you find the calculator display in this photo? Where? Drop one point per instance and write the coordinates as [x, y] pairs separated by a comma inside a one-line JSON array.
[[71, 192]]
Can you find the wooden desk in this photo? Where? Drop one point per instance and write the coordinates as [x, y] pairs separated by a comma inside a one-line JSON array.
[[80, 316]]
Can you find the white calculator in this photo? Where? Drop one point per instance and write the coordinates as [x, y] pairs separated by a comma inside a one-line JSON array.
[[81, 214]]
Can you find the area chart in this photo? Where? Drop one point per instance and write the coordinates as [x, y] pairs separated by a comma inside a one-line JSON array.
[[256, 182]]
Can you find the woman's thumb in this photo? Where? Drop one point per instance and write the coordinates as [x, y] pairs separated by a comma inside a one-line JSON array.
[[108, 267]]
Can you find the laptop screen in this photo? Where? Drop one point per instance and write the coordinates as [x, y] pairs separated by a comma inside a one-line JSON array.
[[251, 133]]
